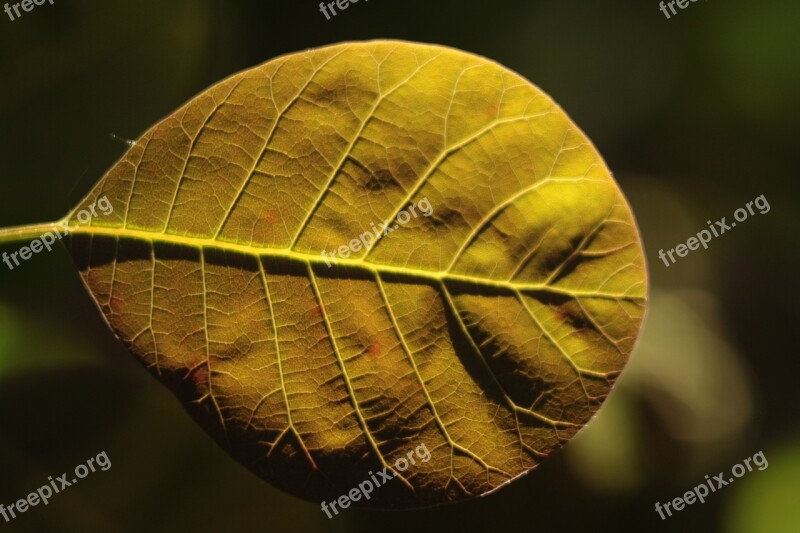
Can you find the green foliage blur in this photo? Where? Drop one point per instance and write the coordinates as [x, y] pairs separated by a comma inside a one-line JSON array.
[[695, 115]]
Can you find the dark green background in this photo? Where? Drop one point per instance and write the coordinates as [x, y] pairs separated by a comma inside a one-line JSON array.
[[695, 115]]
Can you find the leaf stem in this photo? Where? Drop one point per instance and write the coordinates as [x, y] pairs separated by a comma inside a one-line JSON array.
[[28, 232]]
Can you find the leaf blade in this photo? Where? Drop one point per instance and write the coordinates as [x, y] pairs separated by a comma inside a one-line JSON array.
[[490, 330]]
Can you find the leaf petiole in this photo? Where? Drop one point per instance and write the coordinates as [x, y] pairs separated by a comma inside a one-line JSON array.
[[27, 232]]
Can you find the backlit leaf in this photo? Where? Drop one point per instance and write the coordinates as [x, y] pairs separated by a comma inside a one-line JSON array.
[[490, 331]]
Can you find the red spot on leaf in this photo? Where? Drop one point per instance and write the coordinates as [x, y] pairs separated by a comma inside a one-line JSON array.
[[270, 216], [373, 350], [198, 373], [195, 364], [116, 305]]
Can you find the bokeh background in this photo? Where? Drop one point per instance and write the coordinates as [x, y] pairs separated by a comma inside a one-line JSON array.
[[695, 115]]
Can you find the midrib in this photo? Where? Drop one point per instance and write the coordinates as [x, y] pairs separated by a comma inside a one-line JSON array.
[[436, 276]]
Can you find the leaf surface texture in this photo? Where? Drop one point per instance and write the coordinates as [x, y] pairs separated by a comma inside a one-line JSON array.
[[490, 331]]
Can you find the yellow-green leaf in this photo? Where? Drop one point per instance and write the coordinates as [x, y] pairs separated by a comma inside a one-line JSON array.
[[489, 331]]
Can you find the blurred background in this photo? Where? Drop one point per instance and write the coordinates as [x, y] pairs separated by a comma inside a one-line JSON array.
[[695, 115]]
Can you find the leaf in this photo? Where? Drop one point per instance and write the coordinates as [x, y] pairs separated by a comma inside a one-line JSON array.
[[490, 331]]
